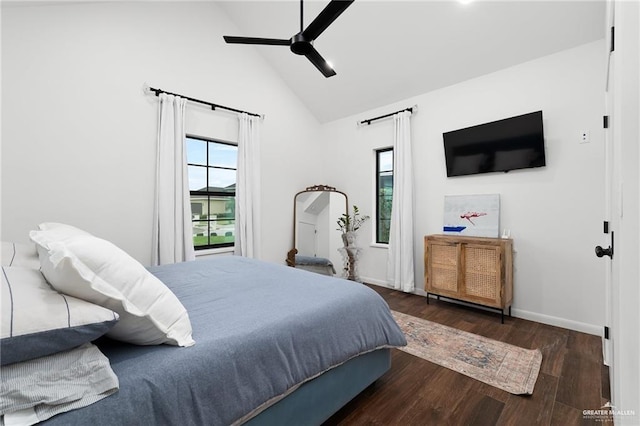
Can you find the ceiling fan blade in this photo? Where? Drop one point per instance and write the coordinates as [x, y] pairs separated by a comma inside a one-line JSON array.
[[325, 18], [257, 40], [319, 62]]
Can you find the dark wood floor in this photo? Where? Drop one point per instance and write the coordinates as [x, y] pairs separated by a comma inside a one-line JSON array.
[[417, 392]]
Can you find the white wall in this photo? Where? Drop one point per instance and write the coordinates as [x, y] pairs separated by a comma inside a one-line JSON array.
[[78, 141], [555, 213], [78, 134]]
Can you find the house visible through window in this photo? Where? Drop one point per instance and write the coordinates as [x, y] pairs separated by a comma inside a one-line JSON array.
[[212, 184], [384, 193]]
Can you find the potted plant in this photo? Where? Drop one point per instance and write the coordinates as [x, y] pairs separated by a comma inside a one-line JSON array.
[[349, 224]]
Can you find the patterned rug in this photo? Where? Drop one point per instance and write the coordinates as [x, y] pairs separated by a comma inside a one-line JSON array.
[[498, 364]]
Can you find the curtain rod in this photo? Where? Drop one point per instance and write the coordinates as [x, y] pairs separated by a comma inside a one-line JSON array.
[[369, 120], [212, 105]]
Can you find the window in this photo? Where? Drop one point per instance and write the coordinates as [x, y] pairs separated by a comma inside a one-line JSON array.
[[212, 185], [384, 193]]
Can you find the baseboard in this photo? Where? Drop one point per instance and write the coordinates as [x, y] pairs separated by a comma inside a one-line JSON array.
[[518, 313], [381, 283], [558, 322], [375, 281]]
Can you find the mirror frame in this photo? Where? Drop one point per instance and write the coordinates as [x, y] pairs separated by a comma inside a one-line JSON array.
[[291, 254]]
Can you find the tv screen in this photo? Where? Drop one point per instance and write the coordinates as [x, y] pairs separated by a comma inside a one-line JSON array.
[[499, 146]]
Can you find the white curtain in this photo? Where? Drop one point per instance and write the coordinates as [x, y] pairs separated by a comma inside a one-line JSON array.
[[400, 253], [247, 237], [172, 231]]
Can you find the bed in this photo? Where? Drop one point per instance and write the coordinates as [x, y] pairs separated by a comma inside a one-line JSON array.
[[274, 345]]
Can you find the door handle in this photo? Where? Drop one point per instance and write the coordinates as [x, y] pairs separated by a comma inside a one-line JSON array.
[[605, 252]]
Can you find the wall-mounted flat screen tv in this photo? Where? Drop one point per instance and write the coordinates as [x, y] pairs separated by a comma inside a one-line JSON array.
[[499, 146]]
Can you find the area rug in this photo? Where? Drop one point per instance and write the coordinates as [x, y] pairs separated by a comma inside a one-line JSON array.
[[498, 364]]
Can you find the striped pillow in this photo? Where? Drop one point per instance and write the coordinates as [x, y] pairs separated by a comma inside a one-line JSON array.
[[36, 320], [35, 390], [18, 254]]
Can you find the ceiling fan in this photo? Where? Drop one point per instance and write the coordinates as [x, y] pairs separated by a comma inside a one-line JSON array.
[[302, 42]]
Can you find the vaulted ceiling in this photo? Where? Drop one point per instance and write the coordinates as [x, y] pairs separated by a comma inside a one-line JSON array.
[[386, 51]]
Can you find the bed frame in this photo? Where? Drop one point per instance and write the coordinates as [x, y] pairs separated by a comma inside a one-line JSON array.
[[316, 400]]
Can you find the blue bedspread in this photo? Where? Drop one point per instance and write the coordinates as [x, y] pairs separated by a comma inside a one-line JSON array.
[[260, 329]]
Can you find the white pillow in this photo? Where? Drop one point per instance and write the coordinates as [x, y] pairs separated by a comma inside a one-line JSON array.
[[61, 231], [36, 320], [18, 254], [97, 271]]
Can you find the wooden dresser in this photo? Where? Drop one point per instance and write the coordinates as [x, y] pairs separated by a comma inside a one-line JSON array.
[[476, 270]]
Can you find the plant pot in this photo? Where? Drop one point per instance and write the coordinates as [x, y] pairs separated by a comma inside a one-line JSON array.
[[349, 239]]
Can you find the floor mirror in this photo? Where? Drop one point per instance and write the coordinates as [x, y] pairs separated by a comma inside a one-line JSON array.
[[316, 239]]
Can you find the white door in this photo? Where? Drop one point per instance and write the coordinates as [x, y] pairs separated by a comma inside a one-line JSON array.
[[306, 239], [610, 222], [623, 186]]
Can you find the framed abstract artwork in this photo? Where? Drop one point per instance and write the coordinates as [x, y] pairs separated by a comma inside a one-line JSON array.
[[472, 215]]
